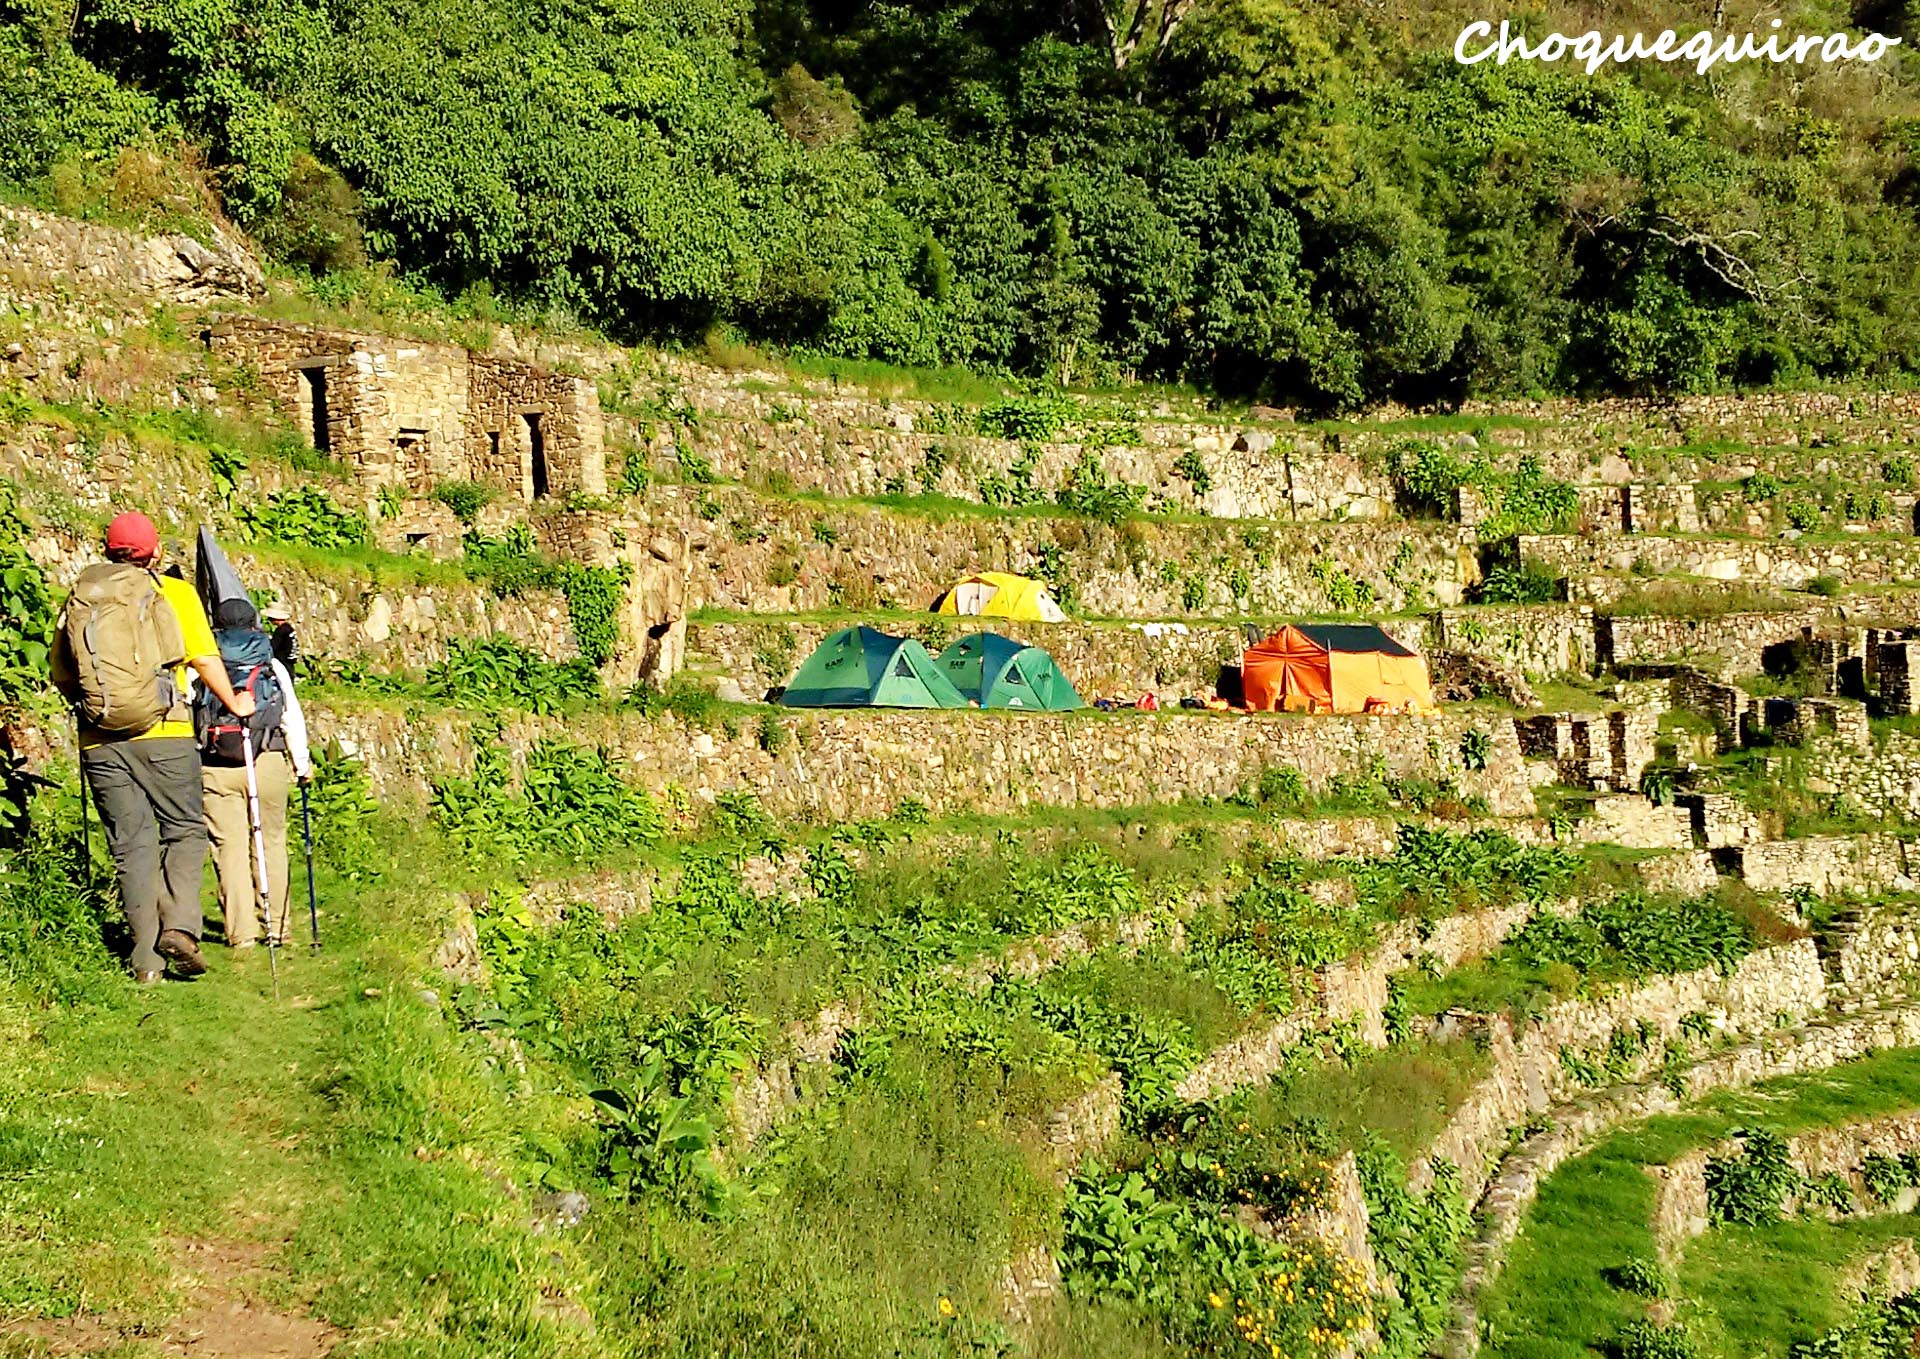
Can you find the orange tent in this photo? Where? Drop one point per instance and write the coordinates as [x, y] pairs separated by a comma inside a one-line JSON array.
[[1335, 668]]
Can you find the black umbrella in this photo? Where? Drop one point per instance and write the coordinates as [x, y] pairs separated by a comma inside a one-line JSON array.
[[214, 576]]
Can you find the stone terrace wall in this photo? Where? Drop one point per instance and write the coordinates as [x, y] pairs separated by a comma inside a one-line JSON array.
[[1885, 780], [346, 615], [1590, 430], [1528, 1077], [1828, 864], [1548, 639], [1791, 1052], [1737, 639], [1876, 949], [855, 446], [852, 765], [50, 260], [768, 555], [1790, 565], [1680, 1205], [98, 478]]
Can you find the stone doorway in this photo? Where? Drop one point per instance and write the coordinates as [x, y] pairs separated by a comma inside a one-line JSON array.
[[313, 387], [537, 454]]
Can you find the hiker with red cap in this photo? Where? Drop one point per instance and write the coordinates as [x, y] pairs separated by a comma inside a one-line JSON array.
[[128, 637]]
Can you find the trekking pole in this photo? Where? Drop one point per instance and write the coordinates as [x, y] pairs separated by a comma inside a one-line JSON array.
[[306, 834], [260, 859], [86, 832]]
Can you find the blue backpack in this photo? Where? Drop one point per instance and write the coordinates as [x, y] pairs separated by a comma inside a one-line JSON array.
[[248, 653]]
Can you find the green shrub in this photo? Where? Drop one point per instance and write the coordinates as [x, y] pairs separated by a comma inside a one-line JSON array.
[[340, 800], [695, 469], [1476, 748], [1897, 471], [1650, 1340], [1760, 488], [1644, 1276], [570, 804], [57, 909], [1753, 1185], [465, 498], [1885, 1176], [1025, 419], [1804, 515], [1344, 593], [1090, 491], [498, 670], [1632, 935], [1830, 1191], [306, 516], [1515, 584], [27, 613], [1827, 587], [1429, 477], [1193, 467], [1282, 786], [316, 224], [1865, 507]]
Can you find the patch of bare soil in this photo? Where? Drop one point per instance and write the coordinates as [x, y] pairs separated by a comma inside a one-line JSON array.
[[223, 1319]]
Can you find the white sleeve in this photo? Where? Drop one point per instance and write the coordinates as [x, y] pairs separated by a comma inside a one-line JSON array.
[[293, 724]]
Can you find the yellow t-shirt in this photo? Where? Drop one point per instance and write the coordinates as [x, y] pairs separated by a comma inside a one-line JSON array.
[[197, 638]]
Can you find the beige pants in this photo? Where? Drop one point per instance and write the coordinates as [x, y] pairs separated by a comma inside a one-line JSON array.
[[225, 794]]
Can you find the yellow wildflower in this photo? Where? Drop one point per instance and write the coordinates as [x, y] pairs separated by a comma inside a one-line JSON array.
[[946, 1307]]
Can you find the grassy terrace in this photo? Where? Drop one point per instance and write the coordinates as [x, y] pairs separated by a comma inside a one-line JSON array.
[[395, 1154], [1749, 1291]]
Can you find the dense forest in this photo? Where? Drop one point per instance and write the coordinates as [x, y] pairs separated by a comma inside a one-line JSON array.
[[1306, 201]]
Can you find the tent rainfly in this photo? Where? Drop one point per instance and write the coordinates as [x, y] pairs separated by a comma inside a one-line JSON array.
[[1335, 668], [862, 668], [996, 672], [996, 594]]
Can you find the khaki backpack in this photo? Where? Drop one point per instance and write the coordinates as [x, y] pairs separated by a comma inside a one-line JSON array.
[[125, 643]]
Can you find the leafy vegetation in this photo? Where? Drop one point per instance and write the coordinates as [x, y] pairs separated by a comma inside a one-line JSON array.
[[1072, 194], [1753, 1186], [27, 620], [512, 565], [307, 517], [498, 670], [568, 803], [1623, 937]]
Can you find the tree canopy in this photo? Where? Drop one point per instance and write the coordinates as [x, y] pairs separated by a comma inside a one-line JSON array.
[[1308, 203]]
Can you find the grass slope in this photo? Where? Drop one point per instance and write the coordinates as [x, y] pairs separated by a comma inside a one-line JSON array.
[[1555, 1301]]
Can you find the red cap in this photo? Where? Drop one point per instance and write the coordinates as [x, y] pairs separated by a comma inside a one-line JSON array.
[[133, 537]]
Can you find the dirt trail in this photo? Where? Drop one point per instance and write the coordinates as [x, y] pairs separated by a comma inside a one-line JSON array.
[[222, 1319]]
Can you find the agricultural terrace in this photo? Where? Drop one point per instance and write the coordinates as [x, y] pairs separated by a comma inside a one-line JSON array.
[[655, 1015]]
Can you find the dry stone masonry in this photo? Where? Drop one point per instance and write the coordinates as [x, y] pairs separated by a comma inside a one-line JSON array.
[[416, 415], [853, 765]]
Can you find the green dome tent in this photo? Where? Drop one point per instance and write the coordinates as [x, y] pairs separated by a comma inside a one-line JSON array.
[[862, 668], [996, 672]]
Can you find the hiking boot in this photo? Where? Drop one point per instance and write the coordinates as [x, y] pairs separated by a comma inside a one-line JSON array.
[[183, 951], [244, 945], [146, 979]]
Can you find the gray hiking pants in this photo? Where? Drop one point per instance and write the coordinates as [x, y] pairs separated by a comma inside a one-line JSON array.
[[148, 793]]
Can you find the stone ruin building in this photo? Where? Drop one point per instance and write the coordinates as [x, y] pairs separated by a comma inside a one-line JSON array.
[[416, 415]]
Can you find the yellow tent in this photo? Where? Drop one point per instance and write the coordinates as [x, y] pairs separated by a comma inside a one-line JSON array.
[[996, 594]]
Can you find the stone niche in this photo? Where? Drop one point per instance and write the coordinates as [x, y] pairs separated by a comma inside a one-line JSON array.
[[415, 415]]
